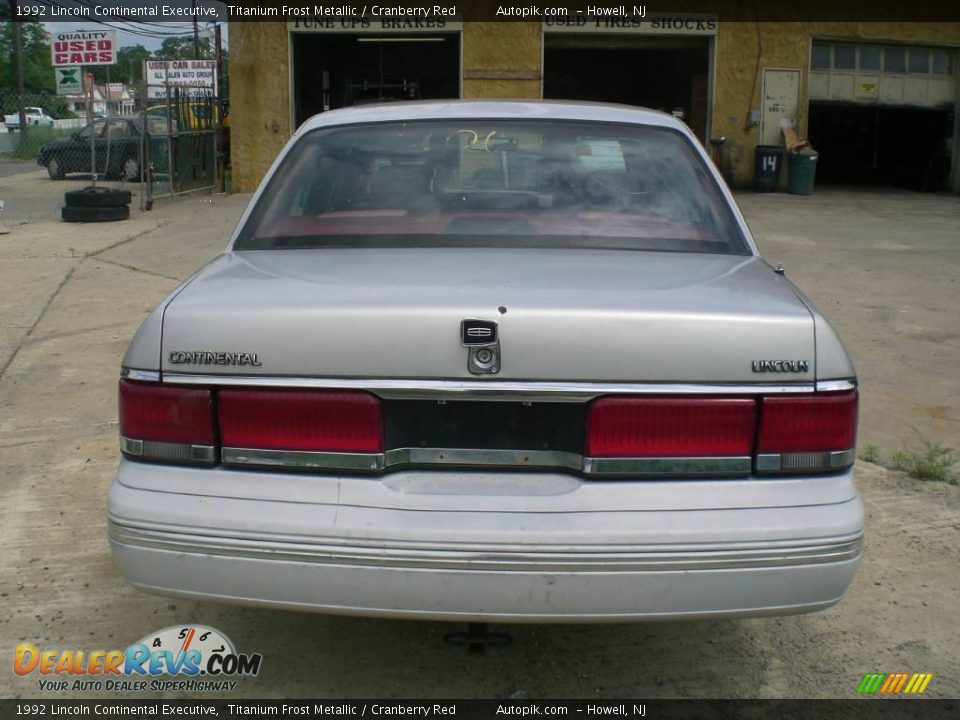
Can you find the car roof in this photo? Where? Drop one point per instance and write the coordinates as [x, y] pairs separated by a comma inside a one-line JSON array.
[[493, 109]]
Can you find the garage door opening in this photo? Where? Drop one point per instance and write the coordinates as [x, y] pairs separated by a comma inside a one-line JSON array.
[[669, 74], [883, 113], [904, 147], [341, 70]]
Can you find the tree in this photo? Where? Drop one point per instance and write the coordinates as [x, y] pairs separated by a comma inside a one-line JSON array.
[[38, 74], [128, 68], [181, 48]]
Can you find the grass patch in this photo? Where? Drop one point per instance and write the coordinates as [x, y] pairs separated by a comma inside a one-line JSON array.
[[933, 462], [871, 454], [27, 145]]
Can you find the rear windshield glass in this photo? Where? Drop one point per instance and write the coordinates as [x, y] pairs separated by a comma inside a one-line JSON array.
[[493, 183]]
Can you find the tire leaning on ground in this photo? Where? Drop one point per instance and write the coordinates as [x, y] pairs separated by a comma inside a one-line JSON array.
[[97, 197], [95, 214]]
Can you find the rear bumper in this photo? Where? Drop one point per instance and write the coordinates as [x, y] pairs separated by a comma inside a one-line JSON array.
[[463, 559]]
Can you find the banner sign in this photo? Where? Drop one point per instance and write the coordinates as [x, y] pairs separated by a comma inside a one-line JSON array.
[[193, 77], [84, 47]]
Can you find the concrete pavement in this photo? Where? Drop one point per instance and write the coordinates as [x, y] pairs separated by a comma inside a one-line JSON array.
[[71, 297]]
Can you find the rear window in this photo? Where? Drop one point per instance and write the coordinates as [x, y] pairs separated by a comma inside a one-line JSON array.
[[493, 183]]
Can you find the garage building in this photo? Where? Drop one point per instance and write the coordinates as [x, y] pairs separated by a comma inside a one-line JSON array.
[[876, 99]]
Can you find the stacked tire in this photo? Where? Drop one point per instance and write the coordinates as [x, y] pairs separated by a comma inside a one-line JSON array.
[[96, 204]]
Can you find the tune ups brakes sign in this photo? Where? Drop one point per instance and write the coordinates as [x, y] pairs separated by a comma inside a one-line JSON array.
[[179, 658]]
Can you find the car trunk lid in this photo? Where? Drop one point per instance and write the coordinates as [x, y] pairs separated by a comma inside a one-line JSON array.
[[562, 315]]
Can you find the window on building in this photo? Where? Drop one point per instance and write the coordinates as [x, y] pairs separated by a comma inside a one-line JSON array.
[[870, 57], [845, 57], [942, 62], [920, 60], [821, 57], [894, 60]]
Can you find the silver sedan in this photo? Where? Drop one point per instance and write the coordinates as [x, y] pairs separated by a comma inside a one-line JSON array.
[[490, 361]]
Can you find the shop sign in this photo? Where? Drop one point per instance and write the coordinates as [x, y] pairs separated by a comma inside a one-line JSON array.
[[649, 24], [194, 77]]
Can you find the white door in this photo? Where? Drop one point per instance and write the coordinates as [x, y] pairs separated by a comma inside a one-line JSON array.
[[781, 98]]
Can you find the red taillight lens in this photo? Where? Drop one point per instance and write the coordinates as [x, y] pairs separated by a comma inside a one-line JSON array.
[[166, 413], [670, 427], [318, 420], [813, 423]]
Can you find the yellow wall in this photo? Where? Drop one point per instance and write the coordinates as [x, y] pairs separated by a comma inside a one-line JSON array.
[[503, 59], [259, 99]]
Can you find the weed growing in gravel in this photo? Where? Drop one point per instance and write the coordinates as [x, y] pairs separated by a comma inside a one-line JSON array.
[[933, 462], [871, 454]]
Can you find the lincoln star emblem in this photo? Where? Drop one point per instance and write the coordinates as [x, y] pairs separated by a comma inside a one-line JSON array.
[[478, 332]]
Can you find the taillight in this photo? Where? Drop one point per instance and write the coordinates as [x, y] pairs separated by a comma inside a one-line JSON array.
[[312, 420], [808, 433], [166, 422], [670, 427], [809, 423]]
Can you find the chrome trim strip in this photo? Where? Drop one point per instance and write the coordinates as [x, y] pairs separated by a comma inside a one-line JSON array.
[[532, 558], [768, 462], [667, 466], [153, 450], [835, 385], [298, 459], [843, 458], [131, 447], [142, 375], [550, 391], [302, 459], [805, 462], [483, 457]]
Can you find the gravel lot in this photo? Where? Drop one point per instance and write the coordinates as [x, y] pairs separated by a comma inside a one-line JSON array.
[[883, 266]]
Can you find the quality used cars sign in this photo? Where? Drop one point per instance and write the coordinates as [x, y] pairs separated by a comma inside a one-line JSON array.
[[84, 47]]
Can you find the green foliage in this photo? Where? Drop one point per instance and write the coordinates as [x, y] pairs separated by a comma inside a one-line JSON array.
[[27, 145], [182, 48], [128, 69], [38, 74], [933, 462], [871, 454]]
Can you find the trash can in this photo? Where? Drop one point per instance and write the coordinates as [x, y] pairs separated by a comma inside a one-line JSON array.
[[801, 170], [766, 171]]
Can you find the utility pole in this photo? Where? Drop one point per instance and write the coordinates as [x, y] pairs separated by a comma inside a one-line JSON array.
[[18, 71], [196, 33], [219, 149]]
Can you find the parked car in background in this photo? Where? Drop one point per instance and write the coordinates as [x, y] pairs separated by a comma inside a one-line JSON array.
[[117, 149], [32, 116], [490, 361]]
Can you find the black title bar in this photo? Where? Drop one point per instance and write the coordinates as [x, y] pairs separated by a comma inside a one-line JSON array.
[[87, 11]]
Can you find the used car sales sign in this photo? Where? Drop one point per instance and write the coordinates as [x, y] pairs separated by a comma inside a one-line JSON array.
[[193, 77], [84, 47]]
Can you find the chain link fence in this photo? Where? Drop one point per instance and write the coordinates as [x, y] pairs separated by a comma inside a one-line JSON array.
[[58, 151]]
